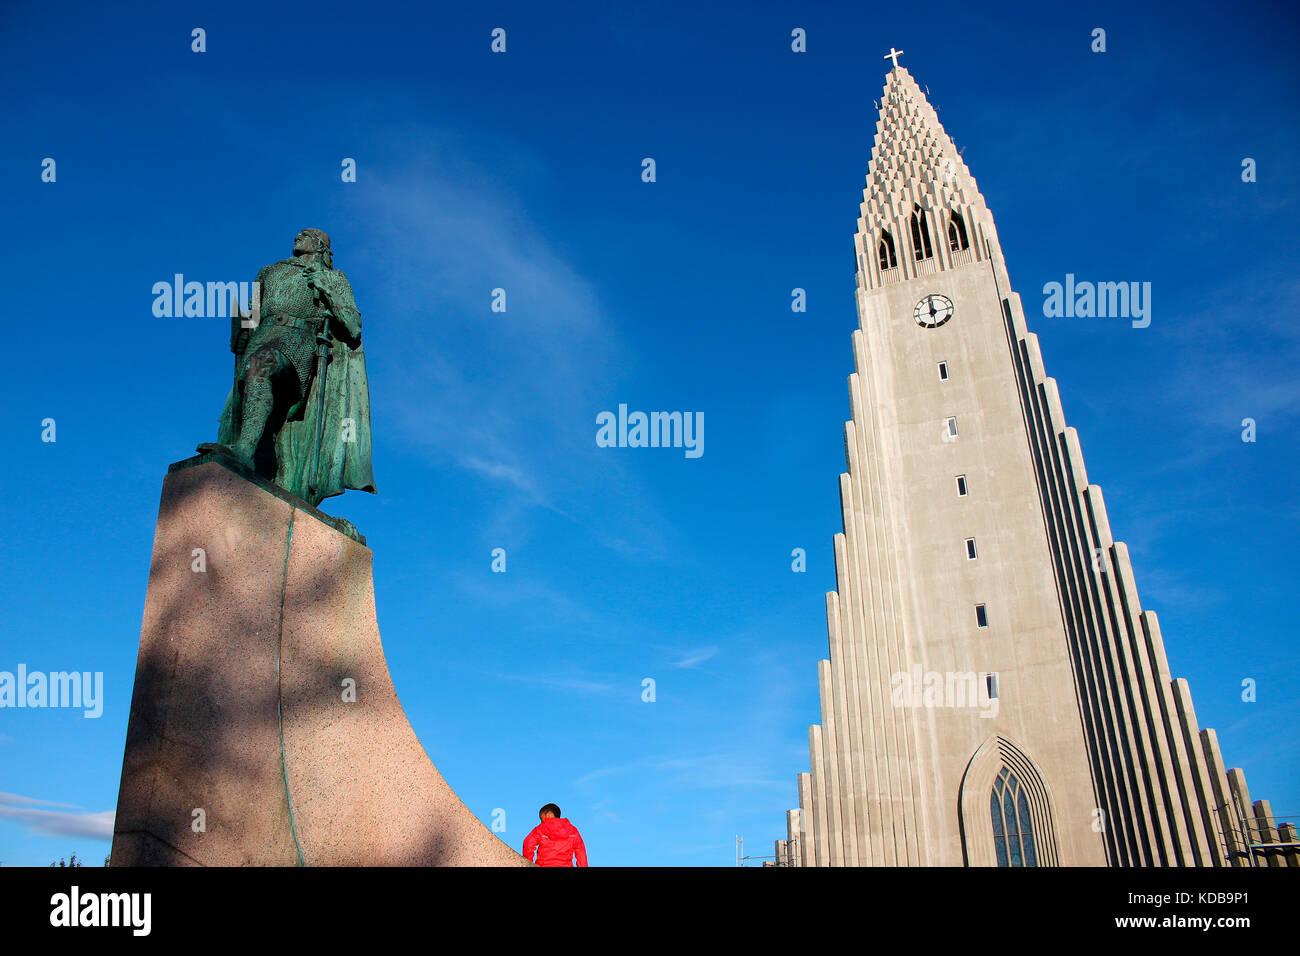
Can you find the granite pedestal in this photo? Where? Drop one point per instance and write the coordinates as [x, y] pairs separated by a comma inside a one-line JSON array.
[[244, 745]]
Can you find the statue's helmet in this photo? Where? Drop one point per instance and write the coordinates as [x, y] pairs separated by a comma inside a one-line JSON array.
[[312, 240]]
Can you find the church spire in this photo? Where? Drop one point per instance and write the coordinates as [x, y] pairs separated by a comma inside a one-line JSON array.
[[915, 168]]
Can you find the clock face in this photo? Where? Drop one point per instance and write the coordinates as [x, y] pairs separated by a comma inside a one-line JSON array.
[[933, 311]]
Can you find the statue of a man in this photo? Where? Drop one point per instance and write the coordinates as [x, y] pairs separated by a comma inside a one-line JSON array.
[[299, 411]]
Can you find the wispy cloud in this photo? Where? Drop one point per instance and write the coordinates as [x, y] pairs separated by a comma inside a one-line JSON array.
[[600, 811], [73, 821], [554, 605], [697, 657], [507, 473], [597, 774], [558, 683], [15, 800], [714, 771], [509, 396]]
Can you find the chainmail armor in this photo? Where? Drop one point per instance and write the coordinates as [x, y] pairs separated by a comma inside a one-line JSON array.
[[291, 316]]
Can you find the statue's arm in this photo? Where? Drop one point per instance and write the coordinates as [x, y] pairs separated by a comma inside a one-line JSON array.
[[239, 333], [347, 318]]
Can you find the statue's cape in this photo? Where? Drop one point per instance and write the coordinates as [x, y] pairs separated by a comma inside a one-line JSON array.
[[343, 461]]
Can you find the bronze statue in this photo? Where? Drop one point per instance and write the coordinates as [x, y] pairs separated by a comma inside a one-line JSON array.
[[299, 411]]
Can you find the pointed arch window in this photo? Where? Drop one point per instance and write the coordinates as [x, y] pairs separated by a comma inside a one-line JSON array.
[[1013, 828], [957, 238], [920, 235], [888, 260]]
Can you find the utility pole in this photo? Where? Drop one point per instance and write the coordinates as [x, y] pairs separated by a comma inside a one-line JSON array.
[[740, 853]]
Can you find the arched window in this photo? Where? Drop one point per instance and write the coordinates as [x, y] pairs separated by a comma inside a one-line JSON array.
[[1013, 830], [886, 251], [920, 235], [1021, 832], [957, 240]]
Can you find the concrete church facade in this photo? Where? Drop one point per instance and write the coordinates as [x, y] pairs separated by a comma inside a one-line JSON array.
[[994, 692]]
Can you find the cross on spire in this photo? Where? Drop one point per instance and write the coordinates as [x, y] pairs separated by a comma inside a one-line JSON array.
[[892, 55]]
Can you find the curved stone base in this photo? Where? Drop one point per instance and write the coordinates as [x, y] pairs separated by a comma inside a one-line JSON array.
[[242, 747]]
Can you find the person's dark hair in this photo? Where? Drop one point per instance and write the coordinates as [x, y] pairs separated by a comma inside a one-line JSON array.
[[550, 808]]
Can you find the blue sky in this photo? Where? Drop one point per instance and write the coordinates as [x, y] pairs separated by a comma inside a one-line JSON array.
[[522, 171]]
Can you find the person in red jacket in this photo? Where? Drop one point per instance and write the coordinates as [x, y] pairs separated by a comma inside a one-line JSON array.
[[555, 840]]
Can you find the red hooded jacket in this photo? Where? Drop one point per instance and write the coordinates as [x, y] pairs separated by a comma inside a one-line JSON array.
[[556, 842]]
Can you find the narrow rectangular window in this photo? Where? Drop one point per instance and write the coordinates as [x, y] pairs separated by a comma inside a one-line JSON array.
[[981, 616], [961, 486], [943, 371], [970, 548], [952, 427], [991, 680]]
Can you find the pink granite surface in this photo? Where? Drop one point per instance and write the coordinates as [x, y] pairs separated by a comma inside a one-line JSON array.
[[238, 705]]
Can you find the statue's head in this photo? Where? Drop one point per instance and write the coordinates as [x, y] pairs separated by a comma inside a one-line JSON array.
[[312, 241]]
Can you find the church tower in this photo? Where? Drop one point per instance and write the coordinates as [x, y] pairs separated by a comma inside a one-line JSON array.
[[994, 694]]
